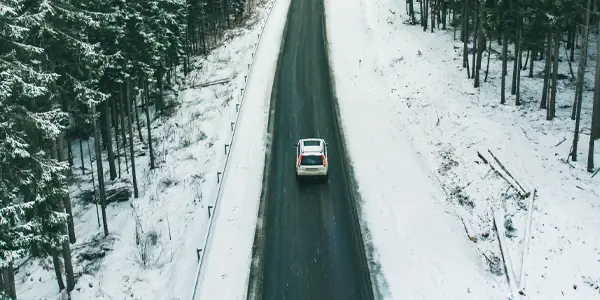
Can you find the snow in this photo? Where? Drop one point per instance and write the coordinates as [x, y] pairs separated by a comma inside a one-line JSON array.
[[225, 274], [174, 198], [426, 196]]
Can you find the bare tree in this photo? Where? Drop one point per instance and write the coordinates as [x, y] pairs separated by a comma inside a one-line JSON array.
[[546, 86], [149, 128], [595, 134], [582, 63], [66, 199], [122, 117], [100, 171], [129, 124], [108, 139], [551, 111], [137, 117]]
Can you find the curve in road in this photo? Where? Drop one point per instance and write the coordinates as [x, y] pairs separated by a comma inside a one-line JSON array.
[[311, 246]]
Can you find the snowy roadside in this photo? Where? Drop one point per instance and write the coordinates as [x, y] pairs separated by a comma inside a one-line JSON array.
[[173, 201], [419, 249], [423, 95], [225, 273]]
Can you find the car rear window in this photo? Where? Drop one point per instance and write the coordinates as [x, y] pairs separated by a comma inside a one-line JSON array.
[[312, 143], [312, 160]]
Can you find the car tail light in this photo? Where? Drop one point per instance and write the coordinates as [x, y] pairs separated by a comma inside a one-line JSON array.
[[324, 160], [299, 159]]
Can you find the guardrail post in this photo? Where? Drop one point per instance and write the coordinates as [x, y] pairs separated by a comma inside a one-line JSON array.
[[242, 91], [218, 177], [226, 145], [245, 77], [232, 125], [237, 107], [209, 207], [248, 66], [198, 251]]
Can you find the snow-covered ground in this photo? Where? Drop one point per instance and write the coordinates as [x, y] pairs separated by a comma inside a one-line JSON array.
[[173, 202], [226, 269], [414, 123]]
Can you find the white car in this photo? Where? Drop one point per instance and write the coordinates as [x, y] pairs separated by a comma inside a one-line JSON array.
[[311, 157]]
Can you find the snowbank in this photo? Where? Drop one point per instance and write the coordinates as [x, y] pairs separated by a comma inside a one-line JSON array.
[[414, 124], [225, 273], [421, 248], [172, 207]]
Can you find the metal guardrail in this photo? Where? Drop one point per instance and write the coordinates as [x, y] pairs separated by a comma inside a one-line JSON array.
[[239, 107]]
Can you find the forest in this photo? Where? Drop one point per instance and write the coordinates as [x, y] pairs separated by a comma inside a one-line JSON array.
[[70, 70], [536, 31]]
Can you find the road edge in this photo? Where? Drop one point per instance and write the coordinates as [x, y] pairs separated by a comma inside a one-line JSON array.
[[366, 250], [255, 283]]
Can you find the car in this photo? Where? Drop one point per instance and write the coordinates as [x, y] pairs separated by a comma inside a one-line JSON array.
[[311, 158]]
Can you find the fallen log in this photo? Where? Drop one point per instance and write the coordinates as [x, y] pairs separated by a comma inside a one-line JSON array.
[[209, 83], [512, 184], [525, 193], [119, 194], [498, 218], [527, 242]]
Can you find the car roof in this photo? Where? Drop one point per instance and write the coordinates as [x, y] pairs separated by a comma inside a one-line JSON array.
[[306, 147]]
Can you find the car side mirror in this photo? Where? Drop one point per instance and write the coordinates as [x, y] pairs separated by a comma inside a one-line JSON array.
[[296, 145]]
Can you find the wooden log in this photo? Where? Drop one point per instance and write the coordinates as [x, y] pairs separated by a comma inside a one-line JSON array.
[[525, 193]]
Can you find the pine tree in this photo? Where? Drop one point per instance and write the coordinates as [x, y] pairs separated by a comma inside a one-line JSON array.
[[32, 184]]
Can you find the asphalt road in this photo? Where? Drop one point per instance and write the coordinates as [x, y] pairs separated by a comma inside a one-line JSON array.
[[312, 247]]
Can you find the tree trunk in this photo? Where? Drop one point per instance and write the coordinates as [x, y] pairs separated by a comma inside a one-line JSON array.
[[137, 117], [465, 36], [546, 86], [81, 153], [66, 252], [121, 115], [524, 65], [551, 112], [533, 55], [411, 11], [148, 126], [595, 134], [66, 199], [103, 128], [69, 227], [487, 68], [513, 87], [116, 127], [70, 156], [129, 125], [108, 139], [582, 63], [504, 65], [444, 14], [573, 43], [100, 172], [58, 270], [160, 102], [425, 14], [579, 99], [8, 278], [93, 181], [519, 58], [475, 42], [433, 11]]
